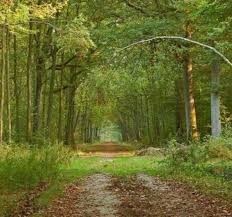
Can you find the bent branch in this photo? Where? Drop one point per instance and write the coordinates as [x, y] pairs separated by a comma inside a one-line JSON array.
[[179, 38]]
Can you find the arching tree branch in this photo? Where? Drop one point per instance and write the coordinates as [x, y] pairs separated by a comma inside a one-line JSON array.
[[179, 38]]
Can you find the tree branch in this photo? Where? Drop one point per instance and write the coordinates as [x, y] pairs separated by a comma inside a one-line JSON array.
[[137, 8], [179, 38], [63, 65]]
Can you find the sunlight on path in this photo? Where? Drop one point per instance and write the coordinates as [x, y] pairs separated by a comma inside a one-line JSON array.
[[107, 149], [96, 199]]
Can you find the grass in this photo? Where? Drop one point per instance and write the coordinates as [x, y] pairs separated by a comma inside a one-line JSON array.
[[81, 167], [195, 175], [8, 199], [121, 166], [22, 168]]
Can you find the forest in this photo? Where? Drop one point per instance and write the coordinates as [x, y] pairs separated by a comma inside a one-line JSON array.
[[130, 98]]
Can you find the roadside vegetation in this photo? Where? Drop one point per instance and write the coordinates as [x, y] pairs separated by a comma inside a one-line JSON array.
[[206, 166], [22, 169]]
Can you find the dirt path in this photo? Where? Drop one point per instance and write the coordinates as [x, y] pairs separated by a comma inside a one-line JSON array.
[[97, 199], [91, 198], [107, 149], [147, 196], [101, 195]]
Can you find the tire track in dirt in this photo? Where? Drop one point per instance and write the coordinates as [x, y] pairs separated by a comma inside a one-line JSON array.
[[97, 199], [102, 195], [90, 198]]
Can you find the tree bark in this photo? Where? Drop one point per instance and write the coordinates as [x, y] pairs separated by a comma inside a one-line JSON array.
[[179, 108], [215, 99], [50, 96], [2, 83], [60, 120], [7, 78], [29, 88], [17, 85], [190, 107], [39, 69], [69, 128]]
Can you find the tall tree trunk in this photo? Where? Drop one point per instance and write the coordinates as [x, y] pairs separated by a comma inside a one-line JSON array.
[[69, 128], [2, 83], [60, 120], [39, 69], [190, 108], [51, 90], [44, 107], [215, 99], [17, 85], [29, 87], [8, 100], [148, 120], [179, 108]]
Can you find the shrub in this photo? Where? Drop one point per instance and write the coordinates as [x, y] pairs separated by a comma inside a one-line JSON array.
[[220, 148], [222, 169], [180, 153], [24, 167]]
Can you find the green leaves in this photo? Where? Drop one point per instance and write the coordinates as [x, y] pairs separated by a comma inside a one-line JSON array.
[[75, 37]]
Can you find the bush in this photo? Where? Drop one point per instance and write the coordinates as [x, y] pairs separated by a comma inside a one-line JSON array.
[[180, 153], [24, 167], [220, 148], [210, 149], [222, 169]]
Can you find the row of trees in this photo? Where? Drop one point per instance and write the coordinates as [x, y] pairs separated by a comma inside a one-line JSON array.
[[171, 88], [60, 80]]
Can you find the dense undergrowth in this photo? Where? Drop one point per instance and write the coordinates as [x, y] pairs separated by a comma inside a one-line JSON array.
[[22, 168], [207, 164]]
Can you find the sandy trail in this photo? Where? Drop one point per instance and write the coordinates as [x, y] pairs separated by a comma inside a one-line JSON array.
[[102, 195], [97, 199], [90, 198]]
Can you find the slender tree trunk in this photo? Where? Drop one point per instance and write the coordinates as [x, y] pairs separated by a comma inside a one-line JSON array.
[[179, 108], [215, 99], [2, 83], [39, 69], [44, 106], [17, 84], [60, 120], [29, 87], [69, 129], [191, 100], [190, 108], [186, 104], [50, 96], [148, 121], [8, 99]]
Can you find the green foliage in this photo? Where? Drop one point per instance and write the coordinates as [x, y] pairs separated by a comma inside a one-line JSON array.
[[221, 169], [211, 149], [220, 148], [209, 160], [75, 37], [180, 153], [21, 167], [122, 166]]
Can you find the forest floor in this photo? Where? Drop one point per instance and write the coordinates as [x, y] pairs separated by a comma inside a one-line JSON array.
[[116, 186], [102, 195]]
